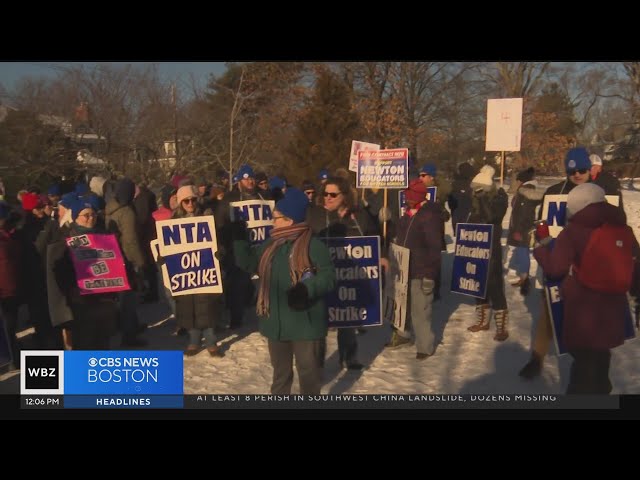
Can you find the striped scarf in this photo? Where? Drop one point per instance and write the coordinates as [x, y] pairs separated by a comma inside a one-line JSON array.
[[299, 261]]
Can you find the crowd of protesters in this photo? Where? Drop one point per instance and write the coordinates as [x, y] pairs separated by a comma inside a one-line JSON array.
[[293, 267]]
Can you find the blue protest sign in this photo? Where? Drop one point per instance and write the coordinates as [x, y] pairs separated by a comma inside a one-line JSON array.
[[472, 257], [383, 169], [258, 215], [188, 247], [431, 194], [356, 300], [194, 269]]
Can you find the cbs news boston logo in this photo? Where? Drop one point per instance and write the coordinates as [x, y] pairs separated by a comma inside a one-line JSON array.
[[102, 373]]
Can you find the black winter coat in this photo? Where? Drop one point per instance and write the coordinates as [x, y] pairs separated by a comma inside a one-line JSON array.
[[523, 214]]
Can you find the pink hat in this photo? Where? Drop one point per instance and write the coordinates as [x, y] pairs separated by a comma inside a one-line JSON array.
[[188, 191], [416, 192]]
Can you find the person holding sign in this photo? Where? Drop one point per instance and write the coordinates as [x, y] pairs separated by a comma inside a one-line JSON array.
[[605, 180], [523, 213], [94, 316], [339, 218], [238, 285], [443, 189], [296, 273], [489, 206], [197, 313], [595, 255], [419, 231], [577, 166]]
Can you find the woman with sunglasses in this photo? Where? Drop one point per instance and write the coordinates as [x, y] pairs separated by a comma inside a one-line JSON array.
[[197, 313], [94, 316], [338, 217]]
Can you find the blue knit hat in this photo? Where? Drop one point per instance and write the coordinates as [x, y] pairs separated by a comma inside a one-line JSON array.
[[82, 203], [81, 188], [277, 182], [54, 189], [293, 205], [245, 171], [324, 174], [429, 169], [577, 159], [67, 199]]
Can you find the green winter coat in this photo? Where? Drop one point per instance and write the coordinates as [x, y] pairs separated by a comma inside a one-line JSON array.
[[284, 323]]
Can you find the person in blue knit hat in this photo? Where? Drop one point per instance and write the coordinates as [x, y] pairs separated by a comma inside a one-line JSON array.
[[577, 166], [323, 175], [54, 192], [91, 318], [296, 273], [577, 159], [245, 171], [81, 189], [278, 187]]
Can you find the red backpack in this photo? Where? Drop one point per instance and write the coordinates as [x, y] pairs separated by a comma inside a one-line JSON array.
[[607, 262]]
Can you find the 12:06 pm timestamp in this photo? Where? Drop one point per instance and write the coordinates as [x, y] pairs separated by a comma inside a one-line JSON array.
[[40, 401]]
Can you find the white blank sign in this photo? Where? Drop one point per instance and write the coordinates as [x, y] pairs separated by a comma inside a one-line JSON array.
[[504, 125]]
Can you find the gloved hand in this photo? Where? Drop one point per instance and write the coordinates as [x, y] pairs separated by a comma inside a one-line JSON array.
[[384, 215], [298, 297], [445, 215], [543, 236]]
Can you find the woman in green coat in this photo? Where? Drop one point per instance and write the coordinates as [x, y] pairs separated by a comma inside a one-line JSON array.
[[296, 273]]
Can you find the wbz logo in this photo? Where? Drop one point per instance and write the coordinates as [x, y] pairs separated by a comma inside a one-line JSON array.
[[42, 372]]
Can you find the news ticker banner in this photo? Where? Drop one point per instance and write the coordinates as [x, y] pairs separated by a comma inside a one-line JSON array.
[[102, 379], [342, 401]]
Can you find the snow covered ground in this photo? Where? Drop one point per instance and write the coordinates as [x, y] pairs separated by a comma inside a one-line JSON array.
[[464, 362]]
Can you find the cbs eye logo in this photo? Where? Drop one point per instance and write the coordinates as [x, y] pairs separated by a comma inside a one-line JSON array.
[[93, 362], [42, 372]]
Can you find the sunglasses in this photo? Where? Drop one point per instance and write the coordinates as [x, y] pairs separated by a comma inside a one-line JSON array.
[[309, 192], [581, 171], [424, 175], [331, 194], [190, 200]]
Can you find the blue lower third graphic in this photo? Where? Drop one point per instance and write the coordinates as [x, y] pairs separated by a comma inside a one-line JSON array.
[[123, 401], [145, 373]]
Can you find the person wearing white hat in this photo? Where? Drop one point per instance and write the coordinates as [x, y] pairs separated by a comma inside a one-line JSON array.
[[608, 182]]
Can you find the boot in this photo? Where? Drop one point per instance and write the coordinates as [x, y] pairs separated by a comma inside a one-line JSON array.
[[502, 322], [532, 368], [484, 318]]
